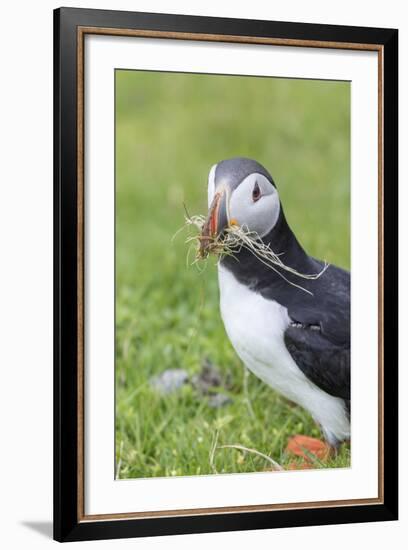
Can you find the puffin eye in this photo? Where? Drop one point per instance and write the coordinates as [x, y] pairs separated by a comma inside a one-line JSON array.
[[256, 192]]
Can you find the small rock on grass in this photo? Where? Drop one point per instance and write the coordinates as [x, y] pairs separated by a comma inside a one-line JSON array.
[[218, 400], [208, 383], [169, 380], [208, 379], [308, 448]]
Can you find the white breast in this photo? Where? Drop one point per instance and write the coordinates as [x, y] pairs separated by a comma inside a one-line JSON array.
[[256, 329]]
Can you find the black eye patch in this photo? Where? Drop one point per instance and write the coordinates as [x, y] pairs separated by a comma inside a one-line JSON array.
[[256, 192]]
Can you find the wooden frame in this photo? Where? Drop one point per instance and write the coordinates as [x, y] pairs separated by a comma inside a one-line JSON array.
[[71, 26]]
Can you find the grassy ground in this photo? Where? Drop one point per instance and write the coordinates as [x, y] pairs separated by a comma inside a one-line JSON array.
[[170, 129]]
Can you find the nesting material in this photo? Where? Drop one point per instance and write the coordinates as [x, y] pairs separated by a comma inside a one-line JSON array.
[[233, 239]]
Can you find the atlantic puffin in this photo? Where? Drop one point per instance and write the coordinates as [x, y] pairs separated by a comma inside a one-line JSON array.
[[296, 338]]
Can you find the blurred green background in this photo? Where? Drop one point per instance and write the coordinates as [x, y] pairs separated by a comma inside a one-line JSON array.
[[170, 129]]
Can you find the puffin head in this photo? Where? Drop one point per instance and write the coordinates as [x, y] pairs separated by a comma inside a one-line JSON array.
[[241, 192]]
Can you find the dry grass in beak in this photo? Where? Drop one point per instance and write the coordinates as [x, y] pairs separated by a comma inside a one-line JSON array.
[[234, 239]]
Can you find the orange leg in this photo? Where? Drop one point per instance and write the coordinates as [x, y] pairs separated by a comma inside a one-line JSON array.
[[310, 449]]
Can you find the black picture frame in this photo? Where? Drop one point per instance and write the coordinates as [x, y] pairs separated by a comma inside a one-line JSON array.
[[67, 523]]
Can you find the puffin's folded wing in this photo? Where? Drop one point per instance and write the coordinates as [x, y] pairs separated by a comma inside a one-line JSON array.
[[325, 363]]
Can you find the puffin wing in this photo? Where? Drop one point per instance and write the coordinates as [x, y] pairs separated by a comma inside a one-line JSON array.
[[318, 337], [324, 362]]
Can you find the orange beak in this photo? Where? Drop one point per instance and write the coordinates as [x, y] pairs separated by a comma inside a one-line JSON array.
[[216, 222]]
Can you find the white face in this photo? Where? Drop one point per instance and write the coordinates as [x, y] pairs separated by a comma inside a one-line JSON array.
[[254, 203], [211, 185]]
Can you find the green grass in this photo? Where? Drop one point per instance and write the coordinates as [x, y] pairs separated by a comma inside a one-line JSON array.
[[170, 129]]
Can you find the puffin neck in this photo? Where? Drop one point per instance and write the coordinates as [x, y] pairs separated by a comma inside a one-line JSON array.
[[249, 270]]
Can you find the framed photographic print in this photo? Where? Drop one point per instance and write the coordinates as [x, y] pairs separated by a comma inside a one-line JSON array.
[[225, 274]]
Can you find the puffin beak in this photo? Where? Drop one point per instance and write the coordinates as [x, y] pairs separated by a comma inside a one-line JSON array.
[[217, 220]]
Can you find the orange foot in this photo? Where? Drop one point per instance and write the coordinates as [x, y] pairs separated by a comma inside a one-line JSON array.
[[309, 449]]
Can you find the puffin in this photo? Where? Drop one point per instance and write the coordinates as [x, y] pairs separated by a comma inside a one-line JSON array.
[[293, 333]]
